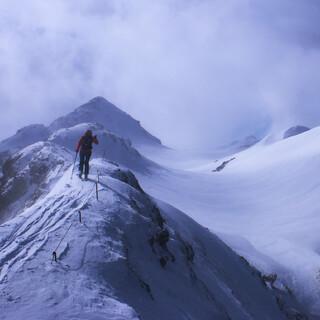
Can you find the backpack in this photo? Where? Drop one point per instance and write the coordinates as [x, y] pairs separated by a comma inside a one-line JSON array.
[[86, 144]]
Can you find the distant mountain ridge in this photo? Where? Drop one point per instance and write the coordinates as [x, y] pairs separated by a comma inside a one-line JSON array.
[[24, 137], [99, 111]]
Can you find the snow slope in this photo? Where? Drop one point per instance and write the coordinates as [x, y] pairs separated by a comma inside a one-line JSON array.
[[132, 257], [100, 110], [28, 174], [264, 203]]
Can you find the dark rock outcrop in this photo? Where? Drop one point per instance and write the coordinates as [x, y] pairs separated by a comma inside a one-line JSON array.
[[127, 177], [294, 131], [223, 165]]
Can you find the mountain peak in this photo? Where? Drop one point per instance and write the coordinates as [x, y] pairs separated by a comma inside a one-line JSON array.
[[99, 102], [100, 110], [99, 99]]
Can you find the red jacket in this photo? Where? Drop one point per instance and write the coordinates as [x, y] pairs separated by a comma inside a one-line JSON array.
[[85, 143]]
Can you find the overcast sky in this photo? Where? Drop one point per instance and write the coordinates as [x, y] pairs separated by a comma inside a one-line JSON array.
[[195, 72]]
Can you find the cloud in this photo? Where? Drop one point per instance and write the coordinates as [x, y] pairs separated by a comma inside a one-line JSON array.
[[196, 73]]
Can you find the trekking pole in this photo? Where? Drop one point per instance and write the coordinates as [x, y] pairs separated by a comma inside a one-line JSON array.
[[97, 183], [74, 164]]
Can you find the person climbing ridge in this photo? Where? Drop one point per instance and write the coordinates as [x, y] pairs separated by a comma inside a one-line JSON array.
[[85, 148]]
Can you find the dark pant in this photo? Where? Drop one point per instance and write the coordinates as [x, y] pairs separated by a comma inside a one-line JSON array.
[[84, 161]]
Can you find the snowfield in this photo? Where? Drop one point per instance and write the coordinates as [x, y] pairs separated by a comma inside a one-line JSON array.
[[264, 204]]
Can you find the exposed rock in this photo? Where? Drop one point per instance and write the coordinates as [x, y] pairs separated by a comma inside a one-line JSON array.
[[294, 131], [127, 177], [271, 279], [223, 165]]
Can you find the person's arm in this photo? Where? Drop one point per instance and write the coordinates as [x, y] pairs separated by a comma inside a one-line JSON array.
[[95, 140], [79, 145]]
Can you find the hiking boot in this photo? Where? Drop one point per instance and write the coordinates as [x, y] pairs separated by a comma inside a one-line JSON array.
[[86, 178], [80, 175]]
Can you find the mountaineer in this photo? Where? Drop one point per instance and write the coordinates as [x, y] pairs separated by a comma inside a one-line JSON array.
[[85, 148]]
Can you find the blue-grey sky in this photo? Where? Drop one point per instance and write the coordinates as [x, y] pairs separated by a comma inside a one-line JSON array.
[[195, 72]]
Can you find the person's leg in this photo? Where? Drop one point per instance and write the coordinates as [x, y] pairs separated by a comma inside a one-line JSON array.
[[81, 163], [86, 169]]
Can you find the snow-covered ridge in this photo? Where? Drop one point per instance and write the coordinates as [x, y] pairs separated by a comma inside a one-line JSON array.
[[110, 145], [132, 257]]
